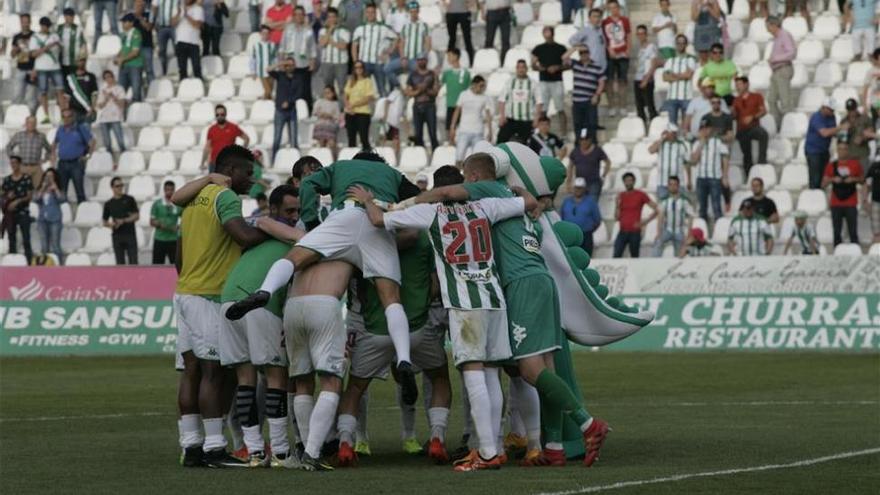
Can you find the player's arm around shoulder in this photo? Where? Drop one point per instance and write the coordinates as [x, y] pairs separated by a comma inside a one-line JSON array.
[[279, 230], [228, 209], [441, 195], [191, 189], [498, 209]]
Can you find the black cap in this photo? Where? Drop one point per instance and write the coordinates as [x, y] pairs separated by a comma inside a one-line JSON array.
[[129, 17], [68, 11], [747, 203], [852, 104]]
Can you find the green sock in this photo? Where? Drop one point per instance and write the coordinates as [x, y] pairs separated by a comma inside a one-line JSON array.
[[551, 420], [558, 396]]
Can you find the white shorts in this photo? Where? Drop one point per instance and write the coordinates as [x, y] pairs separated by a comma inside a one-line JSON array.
[[199, 323], [372, 355], [479, 335], [347, 234], [315, 335], [552, 91], [257, 338]]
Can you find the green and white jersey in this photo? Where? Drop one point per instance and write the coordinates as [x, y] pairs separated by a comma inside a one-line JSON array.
[[749, 235], [804, 237], [581, 18], [413, 35], [461, 235], [713, 151], [520, 99], [329, 53], [672, 159], [73, 43], [383, 180], [680, 90], [263, 55], [248, 273], [166, 9], [676, 213], [372, 38]]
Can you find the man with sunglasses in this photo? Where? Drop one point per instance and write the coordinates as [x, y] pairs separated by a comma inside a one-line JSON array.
[[220, 135], [721, 71], [700, 106], [120, 214]]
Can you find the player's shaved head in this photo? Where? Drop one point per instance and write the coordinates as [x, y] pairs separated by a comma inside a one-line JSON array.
[[479, 166], [238, 163], [447, 175]]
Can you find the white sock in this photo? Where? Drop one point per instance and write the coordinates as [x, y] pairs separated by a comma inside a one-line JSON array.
[[302, 408], [278, 276], [586, 426], [253, 439], [438, 418], [191, 430], [554, 446], [278, 436], [407, 417], [291, 416], [514, 418], [214, 438], [322, 419], [235, 429], [481, 411], [360, 433], [346, 425], [496, 399], [529, 407], [398, 330], [468, 428]]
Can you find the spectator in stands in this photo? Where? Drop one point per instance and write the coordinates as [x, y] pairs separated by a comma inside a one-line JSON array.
[[327, 114], [586, 162], [707, 16], [700, 106], [317, 17], [720, 71], [286, 93], [111, 111], [224, 133], [696, 245], [422, 87], [801, 5], [167, 15], [678, 71], [298, 44], [673, 160], [673, 220], [25, 79], [823, 126], [81, 87], [763, 205], [519, 107], [396, 14], [497, 16], [359, 96], [372, 42], [45, 47], [805, 234], [648, 61], [98, 9], [120, 214], [394, 105], [545, 143], [721, 122], [844, 175], [264, 55], [871, 89], [456, 79], [859, 134], [472, 120], [212, 30], [277, 18], [591, 37], [748, 108], [333, 40], [547, 60], [758, 8], [862, 18], [255, 14], [422, 182], [664, 26], [73, 42], [18, 189], [129, 59], [414, 40], [458, 13], [617, 32], [188, 35], [165, 218], [712, 159], [49, 197], [73, 146], [32, 148], [582, 210], [143, 23], [589, 84], [628, 212], [782, 55], [749, 234], [872, 197], [352, 13]]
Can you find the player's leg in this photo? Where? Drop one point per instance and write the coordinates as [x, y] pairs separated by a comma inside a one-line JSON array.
[[496, 401], [278, 276], [361, 435], [438, 413], [190, 422], [234, 353], [398, 329], [408, 438], [519, 416], [277, 416], [347, 423]]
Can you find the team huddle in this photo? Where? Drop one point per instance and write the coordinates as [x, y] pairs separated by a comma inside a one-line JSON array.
[[366, 287]]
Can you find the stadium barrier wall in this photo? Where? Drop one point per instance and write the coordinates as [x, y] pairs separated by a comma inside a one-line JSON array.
[[827, 303]]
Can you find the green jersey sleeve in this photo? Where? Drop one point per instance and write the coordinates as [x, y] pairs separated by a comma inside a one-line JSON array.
[[228, 206], [309, 191], [487, 189]]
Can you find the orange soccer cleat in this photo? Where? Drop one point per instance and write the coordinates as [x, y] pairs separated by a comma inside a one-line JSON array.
[[477, 463], [437, 451], [547, 457], [594, 437], [346, 456]]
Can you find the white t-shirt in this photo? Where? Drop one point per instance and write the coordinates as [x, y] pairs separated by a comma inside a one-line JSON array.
[[395, 108], [473, 110], [112, 111], [48, 60], [666, 37], [647, 54], [185, 31]]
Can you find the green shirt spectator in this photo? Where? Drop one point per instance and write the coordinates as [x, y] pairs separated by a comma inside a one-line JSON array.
[[721, 70]]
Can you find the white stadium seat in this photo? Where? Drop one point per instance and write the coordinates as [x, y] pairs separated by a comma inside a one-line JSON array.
[[721, 228], [826, 27], [181, 138], [250, 89], [413, 159], [13, 260], [812, 201], [532, 36], [828, 74], [71, 239], [874, 250], [497, 83], [212, 66], [235, 111], [144, 210], [284, 160], [630, 129], [824, 231], [323, 155], [431, 15], [347, 153], [99, 164], [230, 44], [800, 77], [97, 240], [616, 152], [170, 114], [78, 259], [16, 114], [796, 26], [779, 150], [759, 76], [88, 214], [191, 163], [810, 51], [524, 13], [262, 112], [746, 53], [847, 249], [191, 89], [550, 13], [150, 138], [642, 157], [856, 73], [794, 125], [794, 177], [842, 49], [486, 61], [767, 173], [140, 114], [735, 30], [160, 90], [131, 163], [221, 89], [239, 66], [443, 155], [758, 31], [515, 54], [108, 46], [810, 99], [106, 259], [783, 201], [841, 94], [200, 113], [142, 187], [657, 126]]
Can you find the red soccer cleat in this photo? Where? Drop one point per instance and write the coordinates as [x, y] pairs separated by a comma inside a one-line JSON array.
[[594, 437], [477, 463], [547, 457], [437, 451], [346, 456], [241, 453]]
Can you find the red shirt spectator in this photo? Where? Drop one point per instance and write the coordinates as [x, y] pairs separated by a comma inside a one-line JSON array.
[[222, 134], [845, 168], [278, 15], [629, 208], [747, 105], [617, 34]]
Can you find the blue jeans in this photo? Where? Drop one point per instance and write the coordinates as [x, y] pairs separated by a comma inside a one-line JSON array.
[[594, 189], [816, 163], [116, 127], [130, 77], [675, 107], [99, 7], [50, 238], [395, 67], [43, 78], [164, 35], [72, 170], [705, 189], [632, 239], [666, 236], [284, 118], [585, 115], [24, 84], [378, 72], [147, 54], [568, 7], [425, 114], [254, 14]]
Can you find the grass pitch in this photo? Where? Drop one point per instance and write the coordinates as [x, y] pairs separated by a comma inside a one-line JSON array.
[[108, 425]]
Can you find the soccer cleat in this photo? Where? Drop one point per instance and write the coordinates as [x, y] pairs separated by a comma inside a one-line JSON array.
[[309, 463], [502, 458], [241, 453], [288, 461], [407, 377], [547, 457], [515, 443], [470, 456], [192, 457], [346, 457], [257, 460], [437, 451], [219, 458], [330, 448], [412, 446], [362, 448], [477, 463], [462, 450], [594, 437], [256, 300]]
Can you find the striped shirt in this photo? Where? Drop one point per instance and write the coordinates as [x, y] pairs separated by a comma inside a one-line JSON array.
[[676, 212], [263, 55], [462, 239], [520, 99], [329, 53], [749, 235], [72, 43], [712, 154], [581, 18], [414, 34], [586, 80], [372, 38], [680, 90], [805, 237], [673, 156], [299, 41], [165, 10]]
